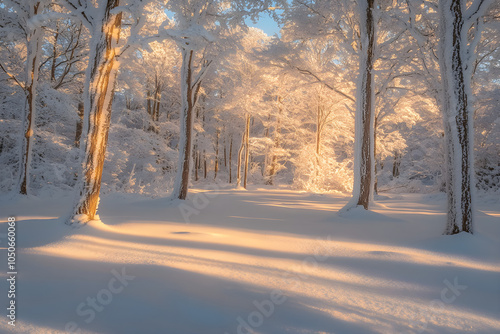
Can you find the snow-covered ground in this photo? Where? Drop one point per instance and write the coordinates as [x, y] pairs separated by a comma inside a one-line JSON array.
[[257, 261]]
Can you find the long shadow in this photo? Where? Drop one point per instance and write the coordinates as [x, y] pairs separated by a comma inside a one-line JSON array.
[[163, 299], [39, 232], [402, 275], [157, 300]]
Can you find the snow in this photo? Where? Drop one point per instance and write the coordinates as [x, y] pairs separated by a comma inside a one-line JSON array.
[[262, 260]]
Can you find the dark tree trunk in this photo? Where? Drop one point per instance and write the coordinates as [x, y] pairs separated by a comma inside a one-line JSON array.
[[216, 162], [205, 171], [79, 124], [364, 138], [458, 117], [230, 160], [182, 179], [196, 164], [396, 164], [375, 160]]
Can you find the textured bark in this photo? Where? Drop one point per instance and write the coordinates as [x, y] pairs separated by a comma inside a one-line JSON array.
[[364, 137], [367, 139], [458, 116], [33, 49], [101, 77]]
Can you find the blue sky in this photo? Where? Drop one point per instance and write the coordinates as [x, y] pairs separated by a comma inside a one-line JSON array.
[[266, 23]]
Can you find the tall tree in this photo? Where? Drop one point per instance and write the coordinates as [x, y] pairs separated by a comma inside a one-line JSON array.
[[365, 100], [98, 98], [195, 19], [460, 33], [25, 11], [104, 24]]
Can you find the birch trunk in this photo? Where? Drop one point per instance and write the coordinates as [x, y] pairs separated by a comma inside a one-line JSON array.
[[100, 81]]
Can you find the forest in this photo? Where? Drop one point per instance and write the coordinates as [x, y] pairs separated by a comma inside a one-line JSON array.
[[193, 116]]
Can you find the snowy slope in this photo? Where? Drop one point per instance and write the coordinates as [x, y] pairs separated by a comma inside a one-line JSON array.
[[258, 261]]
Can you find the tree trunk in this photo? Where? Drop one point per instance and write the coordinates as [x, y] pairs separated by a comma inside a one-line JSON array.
[[79, 124], [156, 117], [277, 137], [458, 117], [204, 166], [319, 125], [364, 128], [183, 167], [225, 151], [240, 152], [230, 159], [375, 161], [396, 163], [247, 151], [216, 164], [33, 49], [148, 101], [99, 89], [196, 165]]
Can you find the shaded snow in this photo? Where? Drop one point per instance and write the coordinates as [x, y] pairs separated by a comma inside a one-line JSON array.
[[366, 272]]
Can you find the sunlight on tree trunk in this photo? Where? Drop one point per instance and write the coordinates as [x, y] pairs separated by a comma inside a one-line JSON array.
[[101, 78]]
